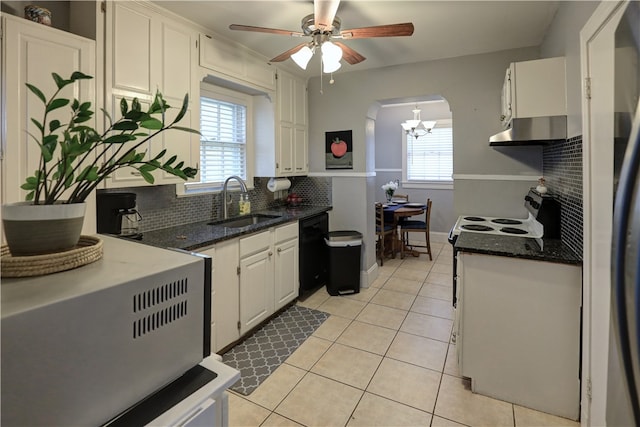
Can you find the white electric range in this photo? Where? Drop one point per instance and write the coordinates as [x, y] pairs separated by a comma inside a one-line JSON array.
[[543, 220]]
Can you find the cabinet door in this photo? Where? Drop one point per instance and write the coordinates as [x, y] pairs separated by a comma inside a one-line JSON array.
[[226, 300], [301, 161], [222, 57], [256, 289], [285, 150], [132, 48], [31, 53], [286, 283]]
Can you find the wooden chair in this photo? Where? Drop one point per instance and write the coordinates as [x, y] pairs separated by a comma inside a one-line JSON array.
[[382, 231], [417, 226]]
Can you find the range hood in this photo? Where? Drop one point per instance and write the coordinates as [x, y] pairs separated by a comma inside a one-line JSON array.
[[532, 131]]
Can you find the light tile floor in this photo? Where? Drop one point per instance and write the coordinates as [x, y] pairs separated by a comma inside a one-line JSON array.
[[383, 358]]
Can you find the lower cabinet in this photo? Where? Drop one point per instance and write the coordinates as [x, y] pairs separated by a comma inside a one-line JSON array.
[[256, 280], [253, 277]]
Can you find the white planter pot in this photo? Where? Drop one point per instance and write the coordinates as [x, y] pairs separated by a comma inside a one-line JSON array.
[[39, 229]]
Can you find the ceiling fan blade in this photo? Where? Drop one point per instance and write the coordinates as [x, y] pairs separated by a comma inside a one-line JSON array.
[[286, 55], [350, 55], [392, 30], [323, 13], [239, 27]]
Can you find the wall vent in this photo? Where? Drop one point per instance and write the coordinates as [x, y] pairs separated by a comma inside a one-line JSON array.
[[158, 317]]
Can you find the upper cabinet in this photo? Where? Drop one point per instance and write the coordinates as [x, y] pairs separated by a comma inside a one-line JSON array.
[[235, 64], [281, 148], [31, 53], [534, 89], [146, 52]]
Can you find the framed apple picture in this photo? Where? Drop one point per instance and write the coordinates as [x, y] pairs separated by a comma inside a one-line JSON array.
[[339, 150]]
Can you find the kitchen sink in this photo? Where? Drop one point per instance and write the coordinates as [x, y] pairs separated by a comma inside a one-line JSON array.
[[243, 221]]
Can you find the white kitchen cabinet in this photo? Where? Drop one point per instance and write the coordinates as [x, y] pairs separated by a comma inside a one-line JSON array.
[[286, 283], [225, 299], [256, 280], [518, 331], [31, 52], [253, 277], [284, 154], [148, 51], [233, 63], [534, 89]]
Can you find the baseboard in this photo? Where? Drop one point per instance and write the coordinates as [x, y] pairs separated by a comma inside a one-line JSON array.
[[369, 276]]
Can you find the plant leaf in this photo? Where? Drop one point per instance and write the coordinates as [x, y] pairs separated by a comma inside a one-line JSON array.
[[60, 82], [147, 176], [90, 173], [46, 153], [184, 129], [117, 139], [160, 154], [38, 124], [125, 125], [29, 196], [56, 103], [37, 92], [153, 124], [124, 107], [183, 110], [53, 125], [77, 75]]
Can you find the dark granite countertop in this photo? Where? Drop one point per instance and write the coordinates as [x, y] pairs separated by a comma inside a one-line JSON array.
[[200, 234], [516, 247]]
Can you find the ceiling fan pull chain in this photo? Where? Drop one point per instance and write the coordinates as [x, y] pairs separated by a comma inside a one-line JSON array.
[[321, 92]]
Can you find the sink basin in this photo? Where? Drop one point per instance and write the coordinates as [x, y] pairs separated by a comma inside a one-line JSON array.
[[243, 221]]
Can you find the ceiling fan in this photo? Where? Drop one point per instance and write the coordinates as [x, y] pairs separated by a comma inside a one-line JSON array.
[[323, 26]]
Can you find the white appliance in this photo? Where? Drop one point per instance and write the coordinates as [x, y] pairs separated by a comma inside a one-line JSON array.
[[82, 346]]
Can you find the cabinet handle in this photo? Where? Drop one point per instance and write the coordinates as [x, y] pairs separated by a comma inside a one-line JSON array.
[[287, 169], [279, 250], [270, 253], [136, 173]]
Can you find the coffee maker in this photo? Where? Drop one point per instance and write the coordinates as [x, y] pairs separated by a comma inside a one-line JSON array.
[[117, 214]]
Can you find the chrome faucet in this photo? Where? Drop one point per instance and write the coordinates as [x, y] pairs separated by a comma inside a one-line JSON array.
[[225, 201]]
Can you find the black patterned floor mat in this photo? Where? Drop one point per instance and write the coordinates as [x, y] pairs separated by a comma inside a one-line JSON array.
[[261, 354]]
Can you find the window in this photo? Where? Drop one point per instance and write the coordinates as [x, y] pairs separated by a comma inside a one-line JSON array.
[[225, 148], [428, 159]]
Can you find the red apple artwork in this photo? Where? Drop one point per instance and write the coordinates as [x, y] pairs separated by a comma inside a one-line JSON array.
[[338, 147]]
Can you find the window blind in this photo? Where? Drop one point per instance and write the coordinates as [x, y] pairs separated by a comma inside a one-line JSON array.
[[223, 144], [430, 156]]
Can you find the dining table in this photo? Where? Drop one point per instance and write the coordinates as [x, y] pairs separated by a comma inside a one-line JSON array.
[[394, 213]]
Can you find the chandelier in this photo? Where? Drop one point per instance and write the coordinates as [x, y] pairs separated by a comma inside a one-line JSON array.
[[417, 127], [331, 54]]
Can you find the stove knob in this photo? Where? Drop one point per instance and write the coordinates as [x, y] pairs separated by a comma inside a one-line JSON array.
[[535, 204], [528, 199]]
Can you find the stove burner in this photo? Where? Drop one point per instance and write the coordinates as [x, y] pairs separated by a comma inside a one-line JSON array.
[[512, 230], [506, 221], [476, 227], [474, 218]]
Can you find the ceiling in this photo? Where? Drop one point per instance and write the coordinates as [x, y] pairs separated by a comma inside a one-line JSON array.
[[443, 29]]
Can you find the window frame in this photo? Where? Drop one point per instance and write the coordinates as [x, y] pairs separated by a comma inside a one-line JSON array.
[[227, 95], [426, 184]]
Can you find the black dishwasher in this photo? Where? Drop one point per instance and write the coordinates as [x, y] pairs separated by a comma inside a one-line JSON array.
[[313, 253]]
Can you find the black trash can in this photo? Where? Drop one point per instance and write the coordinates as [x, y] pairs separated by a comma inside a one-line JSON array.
[[344, 262]]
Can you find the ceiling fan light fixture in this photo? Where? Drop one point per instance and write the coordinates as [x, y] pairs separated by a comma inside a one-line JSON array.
[[329, 66], [330, 52], [302, 57]]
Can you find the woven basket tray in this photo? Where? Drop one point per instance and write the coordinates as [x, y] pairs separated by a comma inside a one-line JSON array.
[[88, 250]]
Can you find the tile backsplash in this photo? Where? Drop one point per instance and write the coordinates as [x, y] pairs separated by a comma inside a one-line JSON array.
[[562, 169], [160, 208]]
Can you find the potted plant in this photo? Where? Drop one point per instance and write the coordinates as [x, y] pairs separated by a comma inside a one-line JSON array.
[[75, 159]]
